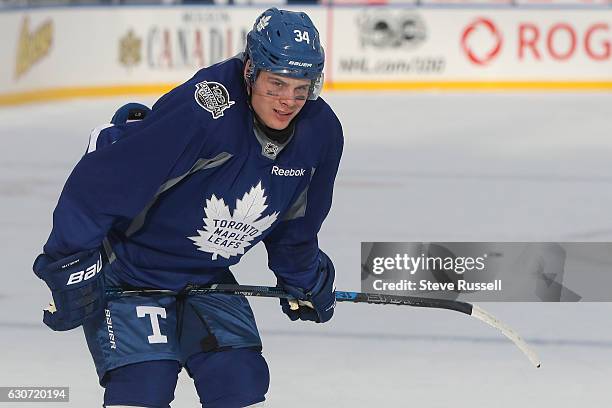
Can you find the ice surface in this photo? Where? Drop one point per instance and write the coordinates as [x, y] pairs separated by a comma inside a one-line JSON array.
[[420, 167]]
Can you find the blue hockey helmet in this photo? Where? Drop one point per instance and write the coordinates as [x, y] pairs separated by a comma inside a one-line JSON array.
[[287, 43]]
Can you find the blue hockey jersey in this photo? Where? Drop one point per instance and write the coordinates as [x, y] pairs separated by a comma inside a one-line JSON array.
[[183, 194]]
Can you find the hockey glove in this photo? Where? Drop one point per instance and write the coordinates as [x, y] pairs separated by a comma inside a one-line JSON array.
[[130, 112], [317, 304], [77, 287]]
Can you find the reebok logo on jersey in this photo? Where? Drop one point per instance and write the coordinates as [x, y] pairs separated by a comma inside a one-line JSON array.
[[213, 97], [277, 171]]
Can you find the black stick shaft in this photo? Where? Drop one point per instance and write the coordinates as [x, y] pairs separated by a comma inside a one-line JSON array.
[[275, 292]]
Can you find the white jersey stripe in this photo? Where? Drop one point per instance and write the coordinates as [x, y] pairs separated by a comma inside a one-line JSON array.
[[93, 136]]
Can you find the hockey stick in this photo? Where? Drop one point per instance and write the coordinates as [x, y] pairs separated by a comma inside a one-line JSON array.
[[355, 297]]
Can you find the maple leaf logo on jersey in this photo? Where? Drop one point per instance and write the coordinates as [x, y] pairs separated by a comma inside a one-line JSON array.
[[227, 234]]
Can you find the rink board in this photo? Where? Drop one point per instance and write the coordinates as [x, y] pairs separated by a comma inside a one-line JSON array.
[[60, 53]]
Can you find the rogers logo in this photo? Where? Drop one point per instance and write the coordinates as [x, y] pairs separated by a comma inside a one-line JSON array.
[[563, 41], [473, 49]]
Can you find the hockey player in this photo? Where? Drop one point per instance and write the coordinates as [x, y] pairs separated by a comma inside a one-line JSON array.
[[243, 152]]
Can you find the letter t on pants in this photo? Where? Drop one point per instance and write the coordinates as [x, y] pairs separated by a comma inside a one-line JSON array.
[[153, 313]]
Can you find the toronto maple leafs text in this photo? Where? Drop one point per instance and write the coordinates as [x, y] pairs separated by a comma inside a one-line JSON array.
[[231, 234]]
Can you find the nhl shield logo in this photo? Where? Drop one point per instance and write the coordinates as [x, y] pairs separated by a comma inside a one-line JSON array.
[[213, 97], [271, 150]]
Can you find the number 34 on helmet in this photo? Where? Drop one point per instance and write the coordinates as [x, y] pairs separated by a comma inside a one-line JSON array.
[[286, 43]]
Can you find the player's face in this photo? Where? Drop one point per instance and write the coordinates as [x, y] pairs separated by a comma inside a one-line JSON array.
[[278, 99]]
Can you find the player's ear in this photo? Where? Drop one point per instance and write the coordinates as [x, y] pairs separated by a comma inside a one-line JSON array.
[[247, 67], [245, 75]]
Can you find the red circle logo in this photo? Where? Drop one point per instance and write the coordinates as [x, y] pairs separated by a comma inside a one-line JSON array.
[[473, 50]]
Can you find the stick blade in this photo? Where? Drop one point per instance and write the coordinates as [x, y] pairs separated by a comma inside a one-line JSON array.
[[492, 321]]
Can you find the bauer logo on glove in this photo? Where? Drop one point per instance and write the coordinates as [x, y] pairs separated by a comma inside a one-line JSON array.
[[76, 285], [84, 274]]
